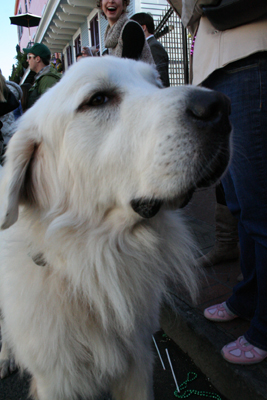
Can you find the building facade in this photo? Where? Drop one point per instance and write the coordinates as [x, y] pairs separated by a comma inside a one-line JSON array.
[[68, 25], [35, 7]]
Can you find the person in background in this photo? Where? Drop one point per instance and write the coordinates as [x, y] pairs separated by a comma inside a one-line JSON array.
[[159, 54], [8, 103], [88, 51], [59, 66], [16, 90], [9, 119], [123, 37], [79, 56], [234, 61], [38, 57], [25, 87]]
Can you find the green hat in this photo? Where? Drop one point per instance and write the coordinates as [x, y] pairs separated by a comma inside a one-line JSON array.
[[39, 49]]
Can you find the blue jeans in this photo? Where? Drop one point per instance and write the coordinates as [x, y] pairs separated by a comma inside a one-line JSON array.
[[245, 185]]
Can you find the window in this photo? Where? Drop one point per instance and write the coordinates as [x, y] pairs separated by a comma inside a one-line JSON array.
[[77, 45], [63, 62], [94, 31], [69, 55]]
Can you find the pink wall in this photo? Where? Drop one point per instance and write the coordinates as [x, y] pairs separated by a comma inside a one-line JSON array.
[[35, 7]]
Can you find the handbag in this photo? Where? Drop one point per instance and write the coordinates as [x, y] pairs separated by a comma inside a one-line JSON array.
[[228, 14]]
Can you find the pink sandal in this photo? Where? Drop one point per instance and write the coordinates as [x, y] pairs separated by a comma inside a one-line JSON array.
[[219, 313], [242, 352]]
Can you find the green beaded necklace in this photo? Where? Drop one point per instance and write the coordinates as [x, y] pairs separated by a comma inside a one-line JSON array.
[[191, 376]]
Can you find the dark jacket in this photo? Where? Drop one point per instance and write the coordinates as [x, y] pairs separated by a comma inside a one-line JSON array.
[[48, 78], [11, 104], [161, 59], [6, 107]]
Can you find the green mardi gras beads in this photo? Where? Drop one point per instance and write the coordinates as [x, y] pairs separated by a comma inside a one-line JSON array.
[[191, 376]]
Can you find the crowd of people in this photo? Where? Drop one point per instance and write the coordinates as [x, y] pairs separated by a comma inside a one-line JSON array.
[[233, 61]]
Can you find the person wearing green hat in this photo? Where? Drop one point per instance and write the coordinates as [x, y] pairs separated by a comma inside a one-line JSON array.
[[38, 57]]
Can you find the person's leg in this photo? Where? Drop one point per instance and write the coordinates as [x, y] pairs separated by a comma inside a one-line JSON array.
[[245, 83], [257, 332], [252, 347], [249, 171], [243, 301]]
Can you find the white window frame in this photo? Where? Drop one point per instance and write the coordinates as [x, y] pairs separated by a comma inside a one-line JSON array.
[[74, 37], [64, 52], [93, 13]]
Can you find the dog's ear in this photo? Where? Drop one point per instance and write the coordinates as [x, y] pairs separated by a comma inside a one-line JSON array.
[[16, 179]]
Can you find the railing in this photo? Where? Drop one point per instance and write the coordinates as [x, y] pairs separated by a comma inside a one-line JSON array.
[[174, 37]]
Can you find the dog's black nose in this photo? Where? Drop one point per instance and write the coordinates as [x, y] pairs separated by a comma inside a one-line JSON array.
[[208, 106]]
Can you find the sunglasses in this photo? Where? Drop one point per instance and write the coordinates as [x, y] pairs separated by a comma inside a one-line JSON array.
[[29, 57]]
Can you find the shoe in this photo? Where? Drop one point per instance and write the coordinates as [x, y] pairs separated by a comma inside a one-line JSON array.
[[219, 313], [242, 352]]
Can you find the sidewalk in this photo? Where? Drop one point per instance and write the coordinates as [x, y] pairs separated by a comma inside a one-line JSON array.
[[200, 338]]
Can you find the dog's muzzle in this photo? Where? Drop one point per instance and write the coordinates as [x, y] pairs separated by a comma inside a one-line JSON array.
[[208, 113]]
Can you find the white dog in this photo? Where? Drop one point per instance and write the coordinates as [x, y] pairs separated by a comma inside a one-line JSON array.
[[84, 265]]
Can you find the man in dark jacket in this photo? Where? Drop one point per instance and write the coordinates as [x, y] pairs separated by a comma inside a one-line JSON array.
[[159, 54], [38, 57]]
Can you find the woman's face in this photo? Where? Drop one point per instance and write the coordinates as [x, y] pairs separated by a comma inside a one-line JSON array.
[[112, 10]]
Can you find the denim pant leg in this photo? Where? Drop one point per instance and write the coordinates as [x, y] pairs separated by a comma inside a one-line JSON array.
[[243, 301], [245, 184], [257, 333]]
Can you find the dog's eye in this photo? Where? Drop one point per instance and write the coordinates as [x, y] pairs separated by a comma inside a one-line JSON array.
[[98, 99]]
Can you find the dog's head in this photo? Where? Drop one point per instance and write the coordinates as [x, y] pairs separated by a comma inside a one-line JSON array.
[[108, 137]]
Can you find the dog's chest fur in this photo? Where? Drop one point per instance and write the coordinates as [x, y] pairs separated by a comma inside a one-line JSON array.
[[67, 319]]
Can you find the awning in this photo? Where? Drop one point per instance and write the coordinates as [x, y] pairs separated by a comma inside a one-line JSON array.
[[60, 21]]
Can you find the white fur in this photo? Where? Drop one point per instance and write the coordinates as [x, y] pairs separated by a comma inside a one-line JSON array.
[[82, 324]]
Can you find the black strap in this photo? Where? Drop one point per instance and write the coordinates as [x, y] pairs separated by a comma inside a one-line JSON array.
[[133, 41]]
